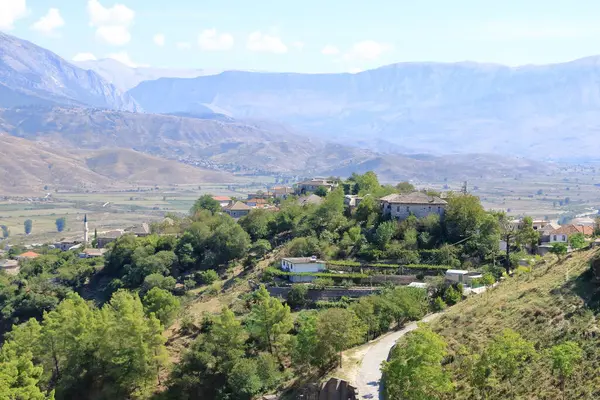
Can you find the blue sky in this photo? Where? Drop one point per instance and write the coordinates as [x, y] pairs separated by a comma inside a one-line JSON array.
[[308, 35]]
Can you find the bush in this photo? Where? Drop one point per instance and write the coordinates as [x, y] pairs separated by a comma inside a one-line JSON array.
[[189, 284], [322, 283], [438, 304], [206, 277]]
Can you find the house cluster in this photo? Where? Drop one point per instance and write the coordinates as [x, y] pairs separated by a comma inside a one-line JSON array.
[[12, 267], [552, 232], [240, 208]]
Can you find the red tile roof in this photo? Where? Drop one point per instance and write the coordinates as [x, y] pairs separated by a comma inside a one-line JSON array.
[[567, 230], [29, 254], [221, 198], [585, 229]]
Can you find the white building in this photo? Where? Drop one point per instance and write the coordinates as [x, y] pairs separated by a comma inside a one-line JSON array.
[[419, 204], [302, 265], [313, 184], [462, 276]]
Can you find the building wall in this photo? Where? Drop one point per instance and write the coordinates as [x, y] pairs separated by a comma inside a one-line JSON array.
[[239, 213], [403, 211], [559, 238]]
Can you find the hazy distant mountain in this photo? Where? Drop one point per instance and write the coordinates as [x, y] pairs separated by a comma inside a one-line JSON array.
[[535, 111], [236, 146], [32, 75], [125, 78]]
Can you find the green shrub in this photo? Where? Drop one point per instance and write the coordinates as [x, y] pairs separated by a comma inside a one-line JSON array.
[[207, 277]]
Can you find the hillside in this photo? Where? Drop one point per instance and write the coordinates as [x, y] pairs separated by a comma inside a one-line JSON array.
[[26, 167], [466, 107], [236, 145], [544, 309], [30, 75]]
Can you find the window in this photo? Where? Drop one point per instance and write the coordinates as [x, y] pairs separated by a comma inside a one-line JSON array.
[[398, 209], [554, 238], [429, 208], [564, 238], [407, 209]]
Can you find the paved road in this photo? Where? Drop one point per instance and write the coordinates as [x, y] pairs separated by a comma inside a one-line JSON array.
[[369, 376]]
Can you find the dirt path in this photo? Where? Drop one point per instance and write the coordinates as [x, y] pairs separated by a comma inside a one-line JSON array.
[[369, 377]]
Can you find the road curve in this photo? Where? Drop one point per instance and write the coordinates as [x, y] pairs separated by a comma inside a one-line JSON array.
[[369, 377]]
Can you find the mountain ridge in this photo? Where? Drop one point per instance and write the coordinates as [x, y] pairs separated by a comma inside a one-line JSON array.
[[433, 107], [31, 74]]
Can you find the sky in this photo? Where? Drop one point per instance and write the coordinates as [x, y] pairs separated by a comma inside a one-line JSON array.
[[309, 35]]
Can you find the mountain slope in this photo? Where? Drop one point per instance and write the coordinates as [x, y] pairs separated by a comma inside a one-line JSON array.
[[125, 77], [427, 107], [241, 147], [27, 167], [556, 302], [32, 75]]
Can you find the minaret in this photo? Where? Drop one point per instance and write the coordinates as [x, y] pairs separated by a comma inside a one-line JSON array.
[[86, 232]]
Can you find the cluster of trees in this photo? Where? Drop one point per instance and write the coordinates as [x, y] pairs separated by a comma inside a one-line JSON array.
[[79, 351], [419, 367], [41, 284], [233, 358]]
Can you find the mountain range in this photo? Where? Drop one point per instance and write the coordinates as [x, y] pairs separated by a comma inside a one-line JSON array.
[[125, 77], [243, 122], [547, 111]]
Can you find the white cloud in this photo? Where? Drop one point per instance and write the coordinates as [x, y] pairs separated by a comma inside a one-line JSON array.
[[367, 50], [266, 43], [298, 45], [211, 40], [111, 23], [183, 45], [115, 35], [159, 39], [10, 11], [330, 50], [124, 58], [84, 57], [355, 70], [49, 22]]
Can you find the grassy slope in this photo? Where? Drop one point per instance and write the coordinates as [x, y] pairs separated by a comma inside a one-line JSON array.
[[543, 307]]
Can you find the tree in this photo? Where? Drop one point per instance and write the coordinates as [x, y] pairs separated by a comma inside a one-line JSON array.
[[321, 191], [564, 359], [244, 379], [162, 304], [364, 184], [306, 342], [405, 187], [260, 248], [131, 349], [506, 357], [507, 233], [257, 223], [159, 281], [526, 235], [28, 224], [269, 321], [367, 212], [577, 241], [560, 249], [297, 296], [415, 368], [384, 234], [205, 202], [337, 329], [463, 217], [60, 224], [19, 378], [204, 370], [5, 231]]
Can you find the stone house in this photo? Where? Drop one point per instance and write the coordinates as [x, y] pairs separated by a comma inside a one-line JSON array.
[[419, 204], [312, 185], [352, 200], [237, 210], [562, 234], [311, 199], [10, 266], [67, 245], [282, 192]]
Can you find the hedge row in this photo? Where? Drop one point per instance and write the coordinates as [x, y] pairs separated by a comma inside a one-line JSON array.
[[354, 264], [279, 272]]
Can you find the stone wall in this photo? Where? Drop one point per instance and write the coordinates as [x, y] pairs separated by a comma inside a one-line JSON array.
[[325, 294]]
